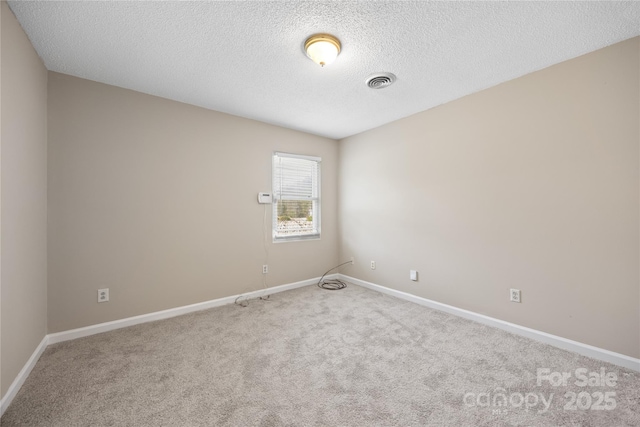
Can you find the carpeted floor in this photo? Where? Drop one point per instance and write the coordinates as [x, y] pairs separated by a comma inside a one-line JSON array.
[[311, 357]]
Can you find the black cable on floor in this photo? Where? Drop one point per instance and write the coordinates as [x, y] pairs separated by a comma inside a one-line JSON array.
[[332, 284]]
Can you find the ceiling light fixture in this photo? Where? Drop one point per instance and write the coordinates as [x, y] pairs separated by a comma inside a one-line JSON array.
[[322, 48]]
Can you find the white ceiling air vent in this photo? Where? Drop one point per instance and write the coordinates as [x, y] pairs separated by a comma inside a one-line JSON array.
[[380, 80]]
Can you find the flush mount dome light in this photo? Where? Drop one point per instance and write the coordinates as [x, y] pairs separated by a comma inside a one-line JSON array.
[[322, 48]]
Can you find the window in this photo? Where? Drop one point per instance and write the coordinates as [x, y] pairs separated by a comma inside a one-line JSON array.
[[296, 197]]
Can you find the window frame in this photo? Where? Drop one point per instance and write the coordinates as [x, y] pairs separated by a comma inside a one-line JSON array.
[[316, 201]]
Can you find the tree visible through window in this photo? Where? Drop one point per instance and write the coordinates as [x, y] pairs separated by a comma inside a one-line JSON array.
[[296, 202]]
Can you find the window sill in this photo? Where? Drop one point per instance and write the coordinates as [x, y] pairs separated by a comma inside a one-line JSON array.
[[296, 238]]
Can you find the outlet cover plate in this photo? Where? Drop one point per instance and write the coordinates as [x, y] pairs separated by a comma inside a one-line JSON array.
[[103, 295], [514, 295]]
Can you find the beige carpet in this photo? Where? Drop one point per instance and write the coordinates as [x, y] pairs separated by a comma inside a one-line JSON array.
[[311, 357]]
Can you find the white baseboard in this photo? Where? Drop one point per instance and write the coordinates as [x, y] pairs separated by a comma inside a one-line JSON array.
[[22, 375], [554, 340], [172, 312]]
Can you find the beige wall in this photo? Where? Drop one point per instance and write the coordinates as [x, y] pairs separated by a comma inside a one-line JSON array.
[[24, 199], [533, 184], [157, 201]]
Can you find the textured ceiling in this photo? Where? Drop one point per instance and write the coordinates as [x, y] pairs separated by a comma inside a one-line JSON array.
[[246, 58]]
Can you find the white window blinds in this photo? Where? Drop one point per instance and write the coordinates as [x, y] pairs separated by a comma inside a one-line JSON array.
[[296, 190]]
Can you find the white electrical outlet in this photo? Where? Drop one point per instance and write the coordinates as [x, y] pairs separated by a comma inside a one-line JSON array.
[[103, 295], [373, 265], [515, 295], [265, 269], [413, 275], [353, 260]]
